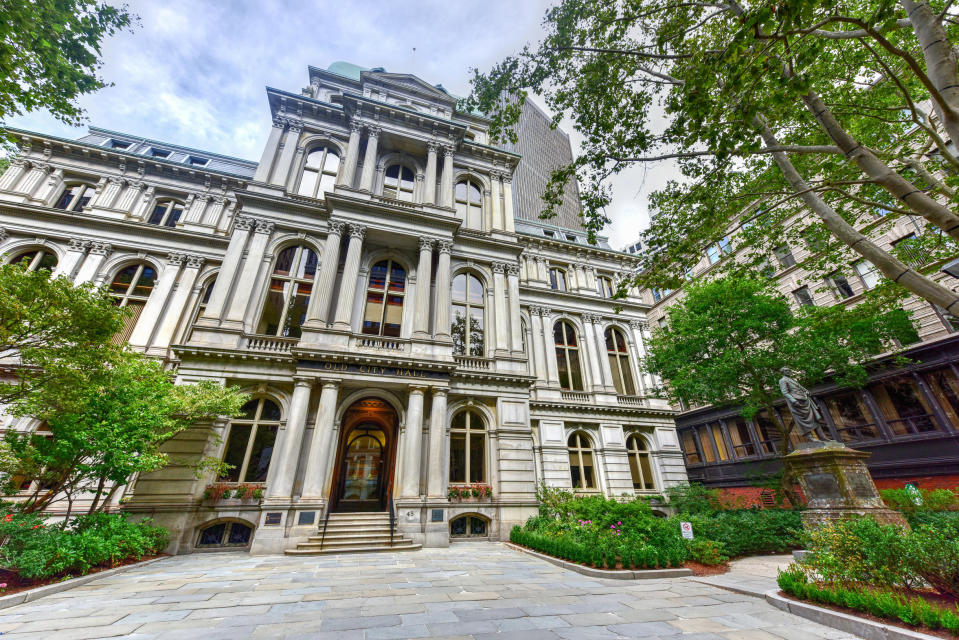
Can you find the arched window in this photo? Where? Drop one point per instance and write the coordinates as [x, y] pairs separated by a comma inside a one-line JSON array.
[[605, 285], [469, 204], [319, 172], [468, 328], [399, 183], [557, 279], [130, 288], [249, 445], [166, 213], [36, 259], [581, 461], [225, 534], [75, 197], [467, 448], [290, 287], [618, 351], [639, 466], [567, 356], [384, 299], [469, 526]]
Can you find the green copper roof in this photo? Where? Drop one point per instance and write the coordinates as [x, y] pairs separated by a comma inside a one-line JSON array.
[[347, 69]]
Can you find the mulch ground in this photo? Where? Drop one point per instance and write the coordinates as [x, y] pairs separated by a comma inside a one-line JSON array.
[[15, 583], [700, 569]]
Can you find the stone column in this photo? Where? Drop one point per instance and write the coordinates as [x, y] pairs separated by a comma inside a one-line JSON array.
[[508, 224], [230, 267], [429, 184], [141, 210], [589, 344], [638, 326], [48, 193], [214, 211], [497, 197], [441, 328], [591, 278], [602, 355], [412, 442], [133, 193], [237, 311], [315, 483], [76, 250], [369, 160], [515, 324], [319, 310], [171, 319], [352, 156], [269, 151], [536, 344], [91, 265], [446, 187], [153, 309], [294, 173], [279, 482], [499, 308], [542, 269], [18, 166], [351, 269], [421, 302], [549, 347], [285, 164], [438, 480], [38, 171]]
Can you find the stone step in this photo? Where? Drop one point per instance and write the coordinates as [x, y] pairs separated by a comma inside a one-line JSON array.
[[366, 528], [317, 552], [333, 544], [371, 537], [361, 515]]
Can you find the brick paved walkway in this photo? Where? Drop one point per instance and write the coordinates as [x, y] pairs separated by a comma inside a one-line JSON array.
[[472, 590]]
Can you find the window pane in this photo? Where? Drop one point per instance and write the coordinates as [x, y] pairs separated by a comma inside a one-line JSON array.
[[212, 535], [589, 481], [327, 183], [574, 471], [284, 262], [67, 197], [629, 387], [270, 411], [457, 457], [476, 331], [273, 308], [476, 196], [477, 526], [614, 367], [397, 278], [378, 275], [239, 534], [634, 471], [689, 447], [461, 192], [249, 409], [739, 434], [392, 174], [458, 329], [459, 288], [235, 450], [647, 471], [145, 283], [315, 159], [720, 442], [373, 314], [308, 264], [563, 368], [459, 420], [158, 212], [768, 433], [576, 377], [458, 526], [307, 183], [261, 453], [867, 271], [394, 316], [332, 163], [296, 315], [709, 453], [945, 387], [903, 406], [852, 417], [477, 457], [121, 281], [475, 290]]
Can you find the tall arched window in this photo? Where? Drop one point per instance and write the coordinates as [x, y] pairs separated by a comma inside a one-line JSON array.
[[384, 299], [468, 328], [567, 356], [618, 351], [398, 183], [319, 172], [75, 197], [166, 213], [467, 448], [37, 259], [290, 287], [581, 461], [469, 204], [639, 466], [249, 445], [130, 288]]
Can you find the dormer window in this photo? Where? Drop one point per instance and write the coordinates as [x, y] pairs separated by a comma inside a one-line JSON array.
[[197, 161], [571, 238], [117, 144], [548, 233], [166, 213], [158, 153], [399, 183]]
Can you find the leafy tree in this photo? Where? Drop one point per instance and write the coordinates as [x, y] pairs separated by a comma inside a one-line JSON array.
[[50, 53], [842, 109], [110, 428], [726, 341]]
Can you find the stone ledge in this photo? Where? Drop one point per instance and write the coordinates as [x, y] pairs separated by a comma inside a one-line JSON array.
[[36, 593], [620, 574], [866, 629]]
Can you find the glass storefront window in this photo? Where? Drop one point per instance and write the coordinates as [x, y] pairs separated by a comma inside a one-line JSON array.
[[904, 406], [852, 417], [743, 445], [689, 447], [945, 387]]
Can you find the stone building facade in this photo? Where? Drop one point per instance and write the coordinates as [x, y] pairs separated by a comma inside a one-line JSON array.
[[399, 326]]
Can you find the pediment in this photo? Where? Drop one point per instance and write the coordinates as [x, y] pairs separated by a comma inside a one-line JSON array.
[[409, 83]]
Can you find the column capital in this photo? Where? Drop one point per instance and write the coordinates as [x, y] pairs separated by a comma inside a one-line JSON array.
[[642, 325], [76, 244], [432, 146], [279, 121], [356, 126], [499, 267], [243, 223], [444, 246], [373, 131], [336, 228], [448, 151], [426, 243], [265, 226], [512, 269], [590, 318], [302, 381], [507, 178], [357, 231], [330, 384], [440, 391], [294, 125], [100, 248], [194, 261], [175, 259], [417, 389]]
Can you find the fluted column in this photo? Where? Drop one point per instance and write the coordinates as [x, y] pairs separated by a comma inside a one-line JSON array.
[[542, 269], [237, 312], [536, 344], [91, 265], [441, 329], [155, 304], [515, 325], [549, 346], [602, 356], [351, 270], [429, 184], [369, 160], [39, 171], [497, 197], [421, 303], [319, 310], [76, 250], [446, 187], [499, 308], [282, 173], [582, 283], [589, 343], [279, 482], [269, 151], [232, 261], [508, 224], [438, 479], [638, 326], [412, 444], [348, 174], [174, 311], [18, 167], [315, 482]]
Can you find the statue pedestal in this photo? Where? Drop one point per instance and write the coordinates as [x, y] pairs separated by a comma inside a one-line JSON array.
[[837, 485]]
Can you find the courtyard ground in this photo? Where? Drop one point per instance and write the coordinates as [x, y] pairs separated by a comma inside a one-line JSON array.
[[471, 590]]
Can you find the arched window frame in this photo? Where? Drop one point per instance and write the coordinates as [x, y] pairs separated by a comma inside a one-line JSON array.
[[403, 189], [166, 212], [640, 463], [133, 294], [470, 307], [316, 180], [293, 289], [469, 204], [474, 437], [226, 536], [582, 462], [75, 196], [617, 351], [37, 258], [557, 279], [469, 521], [258, 425], [570, 366], [392, 292]]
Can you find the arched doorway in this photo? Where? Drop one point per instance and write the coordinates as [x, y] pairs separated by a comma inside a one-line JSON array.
[[365, 457]]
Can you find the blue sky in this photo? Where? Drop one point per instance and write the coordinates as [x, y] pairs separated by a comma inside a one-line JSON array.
[[193, 73]]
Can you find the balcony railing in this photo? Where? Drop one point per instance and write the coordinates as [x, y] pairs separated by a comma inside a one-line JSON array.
[[378, 343], [575, 396], [473, 363], [270, 344], [631, 401]]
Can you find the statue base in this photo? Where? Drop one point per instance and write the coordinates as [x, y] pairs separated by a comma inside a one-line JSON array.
[[837, 485]]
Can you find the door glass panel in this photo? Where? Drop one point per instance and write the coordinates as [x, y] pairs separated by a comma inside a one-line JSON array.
[[362, 467]]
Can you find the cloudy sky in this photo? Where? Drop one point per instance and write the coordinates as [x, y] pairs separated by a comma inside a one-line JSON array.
[[193, 73]]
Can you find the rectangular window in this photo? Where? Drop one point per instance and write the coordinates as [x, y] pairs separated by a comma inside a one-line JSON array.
[[945, 388], [852, 417], [709, 453], [571, 238], [712, 253], [867, 273], [159, 153], [909, 252], [117, 144], [804, 297], [840, 286], [785, 256], [197, 161], [743, 445], [717, 430], [814, 241], [724, 245], [904, 406], [662, 322], [657, 296], [689, 447], [557, 279], [769, 433]]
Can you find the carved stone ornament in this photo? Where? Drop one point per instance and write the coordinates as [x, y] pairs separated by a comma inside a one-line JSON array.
[[76, 244], [445, 246], [642, 325], [512, 269], [372, 131], [3, 234], [590, 318], [499, 267], [117, 180], [175, 259], [533, 310], [431, 146], [100, 248], [426, 243], [243, 223], [357, 231], [295, 125], [265, 226], [336, 227], [195, 261], [448, 151], [279, 122]]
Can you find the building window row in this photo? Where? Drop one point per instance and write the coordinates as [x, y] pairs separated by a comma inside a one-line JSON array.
[[582, 462]]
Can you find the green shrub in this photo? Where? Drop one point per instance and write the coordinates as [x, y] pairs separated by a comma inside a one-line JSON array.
[[706, 551], [944, 520], [905, 501], [751, 531], [861, 550], [933, 555], [693, 499]]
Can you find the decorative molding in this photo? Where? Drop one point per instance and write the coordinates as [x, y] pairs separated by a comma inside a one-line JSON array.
[[75, 244], [512, 269], [336, 227], [356, 127], [426, 243], [279, 121], [444, 246], [357, 231], [499, 267], [265, 226], [373, 131], [432, 146], [4, 234], [100, 248], [590, 318], [175, 259], [642, 325], [194, 261], [243, 223], [448, 151]]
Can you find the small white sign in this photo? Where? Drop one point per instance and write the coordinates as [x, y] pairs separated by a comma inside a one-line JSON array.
[[915, 494], [687, 529]]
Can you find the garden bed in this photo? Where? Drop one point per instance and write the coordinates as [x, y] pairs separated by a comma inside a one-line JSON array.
[[16, 584]]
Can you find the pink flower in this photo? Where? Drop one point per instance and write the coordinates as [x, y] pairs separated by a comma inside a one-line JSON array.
[[612, 526], [619, 523], [3, 585]]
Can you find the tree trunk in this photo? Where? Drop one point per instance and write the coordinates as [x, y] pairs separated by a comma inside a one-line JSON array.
[[96, 497], [106, 500], [888, 265], [940, 63]]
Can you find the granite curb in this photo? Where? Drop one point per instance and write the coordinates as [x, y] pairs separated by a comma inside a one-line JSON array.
[[621, 574], [866, 629], [30, 595]]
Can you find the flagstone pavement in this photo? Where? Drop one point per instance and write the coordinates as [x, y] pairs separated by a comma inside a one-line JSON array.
[[471, 590]]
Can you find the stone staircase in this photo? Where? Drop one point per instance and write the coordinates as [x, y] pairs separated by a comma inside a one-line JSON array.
[[354, 533]]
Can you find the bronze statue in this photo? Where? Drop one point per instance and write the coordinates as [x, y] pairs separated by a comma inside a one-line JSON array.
[[804, 409]]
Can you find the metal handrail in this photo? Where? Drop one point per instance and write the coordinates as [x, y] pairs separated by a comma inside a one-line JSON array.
[[326, 520], [389, 500]]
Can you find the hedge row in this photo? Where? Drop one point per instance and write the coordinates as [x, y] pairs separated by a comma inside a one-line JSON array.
[[637, 557]]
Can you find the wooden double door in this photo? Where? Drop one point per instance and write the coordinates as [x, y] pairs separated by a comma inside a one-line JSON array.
[[365, 458]]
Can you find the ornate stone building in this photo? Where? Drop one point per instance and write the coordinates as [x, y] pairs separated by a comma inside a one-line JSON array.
[[400, 327]]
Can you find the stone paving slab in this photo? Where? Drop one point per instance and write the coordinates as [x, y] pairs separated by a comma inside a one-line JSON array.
[[471, 591]]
